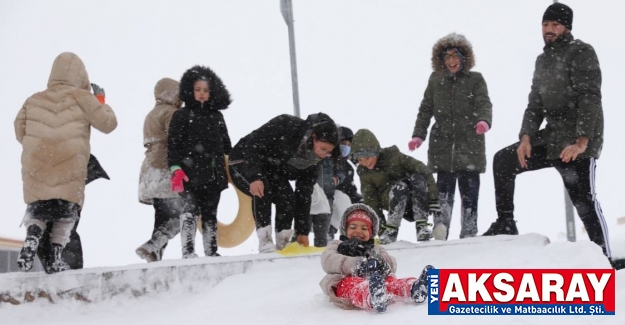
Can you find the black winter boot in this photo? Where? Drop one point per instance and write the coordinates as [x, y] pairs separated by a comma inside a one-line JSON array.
[[419, 290], [56, 263], [618, 263], [321, 226], [188, 229], [378, 298], [209, 238], [502, 227], [26, 259]]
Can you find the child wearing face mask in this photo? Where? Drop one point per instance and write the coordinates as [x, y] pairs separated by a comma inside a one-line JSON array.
[[360, 274], [197, 142], [333, 191]]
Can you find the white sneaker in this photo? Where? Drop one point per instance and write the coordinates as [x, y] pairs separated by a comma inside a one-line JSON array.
[[440, 231], [283, 238], [265, 242]]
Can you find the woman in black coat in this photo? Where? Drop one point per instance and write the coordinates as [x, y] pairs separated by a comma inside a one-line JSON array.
[[263, 162]]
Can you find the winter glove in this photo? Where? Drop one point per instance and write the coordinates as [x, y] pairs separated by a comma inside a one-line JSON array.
[[352, 247], [98, 92], [372, 264], [481, 127], [415, 143], [177, 178], [434, 207]]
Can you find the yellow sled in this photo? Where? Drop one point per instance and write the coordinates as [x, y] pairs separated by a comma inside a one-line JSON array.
[[293, 249]]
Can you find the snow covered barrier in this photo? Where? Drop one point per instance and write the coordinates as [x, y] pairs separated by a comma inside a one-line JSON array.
[[133, 281]]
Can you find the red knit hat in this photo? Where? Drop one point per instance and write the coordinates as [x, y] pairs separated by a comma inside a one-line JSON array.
[[360, 215]]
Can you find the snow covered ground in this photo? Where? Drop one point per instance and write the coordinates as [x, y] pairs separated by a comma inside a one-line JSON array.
[[286, 291]]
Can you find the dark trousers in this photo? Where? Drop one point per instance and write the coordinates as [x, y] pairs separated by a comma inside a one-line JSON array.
[[408, 200], [469, 185], [579, 180], [278, 191], [166, 218], [203, 201]]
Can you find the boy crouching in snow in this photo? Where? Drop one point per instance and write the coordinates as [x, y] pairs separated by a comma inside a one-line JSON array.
[[360, 274]]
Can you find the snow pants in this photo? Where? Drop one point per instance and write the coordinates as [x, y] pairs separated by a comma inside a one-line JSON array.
[[199, 201], [408, 199], [356, 290], [469, 185], [579, 180]]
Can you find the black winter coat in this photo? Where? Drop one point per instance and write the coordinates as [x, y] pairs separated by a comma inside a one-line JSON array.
[[197, 142], [198, 137], [267, 151]]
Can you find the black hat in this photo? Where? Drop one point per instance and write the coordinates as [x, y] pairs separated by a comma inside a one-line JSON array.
[[345, 133], [561, 13], [324, 128]]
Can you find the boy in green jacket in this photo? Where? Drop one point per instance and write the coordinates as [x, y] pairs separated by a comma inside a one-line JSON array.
[[393, 181]]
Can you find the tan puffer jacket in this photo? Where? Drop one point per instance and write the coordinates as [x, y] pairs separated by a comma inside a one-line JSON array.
[[154, 182], [54, 127]]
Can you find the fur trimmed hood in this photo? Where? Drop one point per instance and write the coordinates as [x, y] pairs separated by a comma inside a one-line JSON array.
[[219, 96], [457, 41], [375, 222]]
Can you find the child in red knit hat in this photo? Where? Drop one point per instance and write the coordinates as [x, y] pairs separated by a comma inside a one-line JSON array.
[[360, 274]]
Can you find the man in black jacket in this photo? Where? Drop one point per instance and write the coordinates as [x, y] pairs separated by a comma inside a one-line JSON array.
[[263, 162], [566, 92]]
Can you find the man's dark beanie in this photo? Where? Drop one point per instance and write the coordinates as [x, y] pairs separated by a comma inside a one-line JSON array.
[[561, 13]]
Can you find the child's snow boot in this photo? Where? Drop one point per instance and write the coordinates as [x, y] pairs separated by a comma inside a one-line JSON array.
[[378, 298], [26, 259], [423, 231], [283, 237], [188, 229], [419, 290], [56, 263], [440, 231], [389, 235], [152, 250], [209, 237], [265, 241]]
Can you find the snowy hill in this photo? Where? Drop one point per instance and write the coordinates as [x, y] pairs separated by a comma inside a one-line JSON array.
[[278, 290]]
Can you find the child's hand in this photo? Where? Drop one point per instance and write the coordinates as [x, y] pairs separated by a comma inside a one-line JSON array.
[[371, 265], [352, 247], [178, 177]]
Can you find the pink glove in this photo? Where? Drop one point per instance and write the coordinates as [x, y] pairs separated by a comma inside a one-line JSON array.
[[176, 180], [415, 143], [481, 127]]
